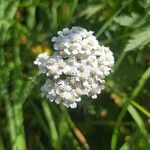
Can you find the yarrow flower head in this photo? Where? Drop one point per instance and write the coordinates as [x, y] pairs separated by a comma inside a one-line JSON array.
[[78, 67]]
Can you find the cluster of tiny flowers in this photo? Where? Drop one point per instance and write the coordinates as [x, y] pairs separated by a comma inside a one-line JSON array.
[[78, 67]]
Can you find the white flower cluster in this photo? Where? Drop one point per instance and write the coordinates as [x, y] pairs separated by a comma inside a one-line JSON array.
[[78, 67]]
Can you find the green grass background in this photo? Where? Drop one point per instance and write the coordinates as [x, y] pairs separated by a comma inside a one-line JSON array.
[[119, 119]]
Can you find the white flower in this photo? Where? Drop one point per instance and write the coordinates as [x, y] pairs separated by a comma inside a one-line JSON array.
[[78, 67]]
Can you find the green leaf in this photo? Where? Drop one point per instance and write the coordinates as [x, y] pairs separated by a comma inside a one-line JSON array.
[[125, 146], [3, 6], [126, 20], [11, 9], [91, 10], [31, 17], [145, 3], [138, 40]]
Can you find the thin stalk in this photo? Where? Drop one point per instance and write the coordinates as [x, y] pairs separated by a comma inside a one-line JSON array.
[[54, 22], [120, 60], [11, 123], [20, 143], [141, 83], [1, 143], [138, 119], [135, 92], [118, 124], [76, 131], [5, 97], [40, 119], [140, 108], [52, 126]]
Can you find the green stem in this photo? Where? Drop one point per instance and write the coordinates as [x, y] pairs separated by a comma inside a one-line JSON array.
[[138, 119], [135, 92], [11, 123], [20, 143], [52, 126], [15, 124], [141, 83], [120, 60], [139, 107], [1, 143], [73, 126], [118, 124], [5, 97]]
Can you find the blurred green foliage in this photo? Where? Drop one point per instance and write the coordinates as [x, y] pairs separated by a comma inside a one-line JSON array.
[[118, 119]]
